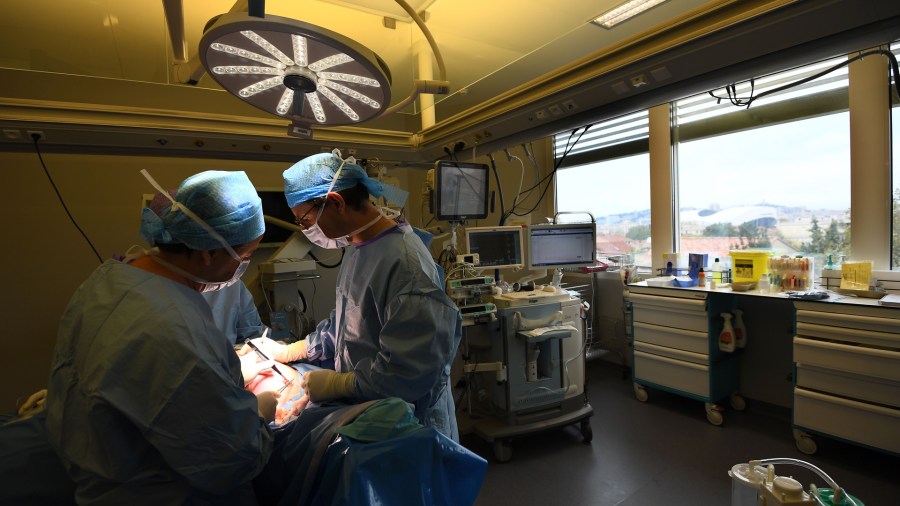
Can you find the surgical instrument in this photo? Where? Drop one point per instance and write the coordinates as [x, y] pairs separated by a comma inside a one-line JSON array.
[[264, 357]]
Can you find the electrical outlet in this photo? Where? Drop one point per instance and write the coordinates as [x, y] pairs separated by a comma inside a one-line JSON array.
[[555, 110], [569, 105], [542, 114], [38, 133]]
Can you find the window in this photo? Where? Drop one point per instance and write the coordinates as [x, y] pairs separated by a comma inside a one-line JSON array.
[[775, 176], [895, 161], [895, 176], [607, 173]]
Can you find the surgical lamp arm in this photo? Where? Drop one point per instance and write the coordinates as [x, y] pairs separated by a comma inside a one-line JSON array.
[[439, 87], [437, 53]]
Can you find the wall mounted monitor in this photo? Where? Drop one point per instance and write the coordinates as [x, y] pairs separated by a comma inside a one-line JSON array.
[[497, 247], [461, 191], [562, 245]]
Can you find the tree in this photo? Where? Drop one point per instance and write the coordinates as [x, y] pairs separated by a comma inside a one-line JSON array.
[[834, 239], [720, 230], [756, 235], [816, 238], [638, 232]]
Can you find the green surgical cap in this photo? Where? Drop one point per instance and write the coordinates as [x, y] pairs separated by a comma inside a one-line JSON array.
[[311, 178], [226, 201]]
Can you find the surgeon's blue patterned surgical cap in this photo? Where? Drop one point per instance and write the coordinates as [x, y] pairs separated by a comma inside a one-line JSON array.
[[311, 177], [226, 201]]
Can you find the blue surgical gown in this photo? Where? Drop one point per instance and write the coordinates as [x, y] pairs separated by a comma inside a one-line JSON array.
[[145, 401], [394, 326], [235, 313]]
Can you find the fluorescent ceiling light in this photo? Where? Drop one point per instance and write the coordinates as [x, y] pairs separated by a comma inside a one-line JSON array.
[[624, 12]]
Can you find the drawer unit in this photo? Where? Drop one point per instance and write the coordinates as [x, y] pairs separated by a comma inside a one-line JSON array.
[[851, 420], [676, 374], [865, 337], [673, 353], [847, 375], [675, 312], [872, 362], [681, 339], [673, 349], [844, 384]]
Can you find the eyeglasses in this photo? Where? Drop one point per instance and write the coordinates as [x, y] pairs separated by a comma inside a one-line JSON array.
[[302, 221]]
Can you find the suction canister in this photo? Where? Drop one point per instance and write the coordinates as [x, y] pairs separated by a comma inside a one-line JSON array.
[[756, 484]]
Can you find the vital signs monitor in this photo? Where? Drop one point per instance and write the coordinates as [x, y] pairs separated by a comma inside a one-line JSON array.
[[562, 245], [497, 247]]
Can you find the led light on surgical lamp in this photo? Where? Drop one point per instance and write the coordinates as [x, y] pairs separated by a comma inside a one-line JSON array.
[[295, 70]]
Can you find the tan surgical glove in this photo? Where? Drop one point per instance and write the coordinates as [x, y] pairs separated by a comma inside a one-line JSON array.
[[325, 384], [293, 352], [266, 403], [283, 353]]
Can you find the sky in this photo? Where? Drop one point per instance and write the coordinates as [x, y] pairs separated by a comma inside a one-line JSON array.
[[802, 163]]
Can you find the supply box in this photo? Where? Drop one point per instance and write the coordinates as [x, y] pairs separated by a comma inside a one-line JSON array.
[[787, 273], [749, 265]]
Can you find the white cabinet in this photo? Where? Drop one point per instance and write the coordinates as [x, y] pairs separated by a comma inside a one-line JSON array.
[[675, 347], [847, 375]]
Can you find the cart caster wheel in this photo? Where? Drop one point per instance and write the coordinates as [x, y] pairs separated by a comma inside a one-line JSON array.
[[713, 415], [502, 451], [640, 393], [738, 403], [805, 443], [587, 433]]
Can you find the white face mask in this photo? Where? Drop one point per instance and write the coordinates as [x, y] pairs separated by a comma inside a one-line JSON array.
[[315, 233], [205, 285], [317, 237]]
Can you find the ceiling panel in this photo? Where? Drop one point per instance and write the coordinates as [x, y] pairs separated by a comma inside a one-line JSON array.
[[110, 63], [127, 39]]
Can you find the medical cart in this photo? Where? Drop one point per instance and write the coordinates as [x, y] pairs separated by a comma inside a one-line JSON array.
[[675, 346], [524, 369]]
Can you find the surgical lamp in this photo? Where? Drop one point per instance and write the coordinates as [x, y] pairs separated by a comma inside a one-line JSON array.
[[299, 71], [302, 72]]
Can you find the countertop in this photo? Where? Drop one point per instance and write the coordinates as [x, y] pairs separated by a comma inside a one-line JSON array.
[[833, 297]]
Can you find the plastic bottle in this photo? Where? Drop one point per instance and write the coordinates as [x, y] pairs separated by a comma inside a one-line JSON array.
[[726, 337], [701, 278], [740, 330], [717, 271]]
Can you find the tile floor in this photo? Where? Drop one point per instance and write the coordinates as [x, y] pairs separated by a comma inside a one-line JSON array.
[[664, 452]]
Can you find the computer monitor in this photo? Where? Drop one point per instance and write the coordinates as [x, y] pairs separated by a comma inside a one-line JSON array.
[[461, 191], [274, 204], [562, 245], [497, 247]]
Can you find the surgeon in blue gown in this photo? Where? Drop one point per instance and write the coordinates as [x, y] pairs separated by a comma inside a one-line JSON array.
[[234, 311], [394, 331], [146, 403], [233, 307]]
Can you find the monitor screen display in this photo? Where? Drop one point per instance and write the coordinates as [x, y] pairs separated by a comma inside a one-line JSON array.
[[274, 204], [497, 247], [562, 245], [461, 191]]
